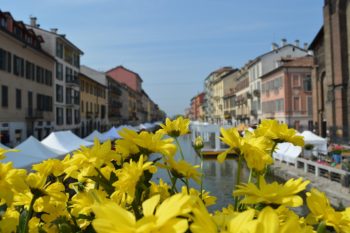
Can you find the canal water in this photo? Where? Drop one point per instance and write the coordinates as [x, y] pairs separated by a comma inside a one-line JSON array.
[[219, 178]]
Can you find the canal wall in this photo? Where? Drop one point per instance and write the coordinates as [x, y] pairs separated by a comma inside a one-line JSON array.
[[337, 194]]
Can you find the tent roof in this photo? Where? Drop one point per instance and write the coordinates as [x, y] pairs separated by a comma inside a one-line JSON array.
[[95, 134], [65, 141], [30, 151], [312, 138], [111, 133]]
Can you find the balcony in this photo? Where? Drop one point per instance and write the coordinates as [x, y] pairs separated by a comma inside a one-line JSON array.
[[256, 93], [71, 101], [116, 104], [72, 82], [34, 113], [89, 115]]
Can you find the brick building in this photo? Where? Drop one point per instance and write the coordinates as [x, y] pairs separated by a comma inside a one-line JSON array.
[[331, 73]]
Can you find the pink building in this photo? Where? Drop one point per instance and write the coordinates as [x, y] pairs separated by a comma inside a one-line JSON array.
[[196, 105], [128, 77], [287, 93]]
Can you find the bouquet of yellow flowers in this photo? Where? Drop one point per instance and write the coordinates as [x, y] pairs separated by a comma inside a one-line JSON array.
[[107, 190]]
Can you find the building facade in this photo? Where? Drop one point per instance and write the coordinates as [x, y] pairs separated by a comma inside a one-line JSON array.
[[242, 106], [331, 47], [229, 82], [65, 78], [197, 107], [116, 101], [287, 93], [264, 64], [93, 101], [26, 80], [213, 103]]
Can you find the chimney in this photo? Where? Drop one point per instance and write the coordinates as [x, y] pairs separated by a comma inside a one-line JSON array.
[[274, 46], [33, 21], [283, 42], [54, 30], [297, 43], [306, 46]]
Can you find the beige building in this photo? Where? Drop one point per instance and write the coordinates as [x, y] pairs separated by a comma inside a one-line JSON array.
[[213, 103], [93, 101], [243, 96], [26, 85], [229, 82], [66, 81]]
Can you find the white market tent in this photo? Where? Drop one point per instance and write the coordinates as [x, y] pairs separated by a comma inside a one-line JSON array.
[[111, 134], [4, 147], [287, 151], [95, 134], [31, 151], [320, 144], [121, 127], [65, 141], [146, 126]]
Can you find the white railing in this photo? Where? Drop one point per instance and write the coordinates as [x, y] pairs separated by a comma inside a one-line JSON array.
[[319, 170]]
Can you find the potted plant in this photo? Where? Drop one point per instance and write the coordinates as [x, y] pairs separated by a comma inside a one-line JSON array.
[[336, 153], [308, 150]]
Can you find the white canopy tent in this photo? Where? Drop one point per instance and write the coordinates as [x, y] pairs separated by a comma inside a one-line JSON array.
[[121, 127], [31, 151], [65, 141], [320, 144], [146, 126], [111, 134], [287, 151], [96, 134]]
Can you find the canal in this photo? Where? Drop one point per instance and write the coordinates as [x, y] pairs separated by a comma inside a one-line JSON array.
[[219, 178]]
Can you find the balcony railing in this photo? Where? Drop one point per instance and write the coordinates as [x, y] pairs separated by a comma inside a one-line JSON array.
[[34, 113], [72, 82]]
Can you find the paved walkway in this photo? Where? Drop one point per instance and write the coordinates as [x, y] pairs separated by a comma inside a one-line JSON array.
[[335, 191]]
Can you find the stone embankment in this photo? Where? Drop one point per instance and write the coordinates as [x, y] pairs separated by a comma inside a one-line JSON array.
[[337, 194]]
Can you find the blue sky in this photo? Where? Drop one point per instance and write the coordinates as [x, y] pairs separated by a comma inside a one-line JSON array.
[[173, 45]]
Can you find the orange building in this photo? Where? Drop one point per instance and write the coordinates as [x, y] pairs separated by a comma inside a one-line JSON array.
[[287, 93], [196, 107]]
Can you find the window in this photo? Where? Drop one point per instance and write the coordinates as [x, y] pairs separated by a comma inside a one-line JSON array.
[[48, 78], [81, 85], [59, 93], [103, 111], [307, 83], [76, 116], [4, 96], [76, 60], [82, 106], [40, 74], [18, 135], [59, 71], [296, 80], [18, 99], [5, 60], [296, 103], [59, 49], [18, 66], [87, 107], [44, 102], [30, 71], [69, 97], [5, 137], [3, 22], [69, 74], [59, 116], [69, 116]]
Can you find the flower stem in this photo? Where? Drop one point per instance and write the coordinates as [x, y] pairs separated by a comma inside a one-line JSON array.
[[178, 145], [238, 177], [321, 228], [250, 175], [24, 227], [202, 174]]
